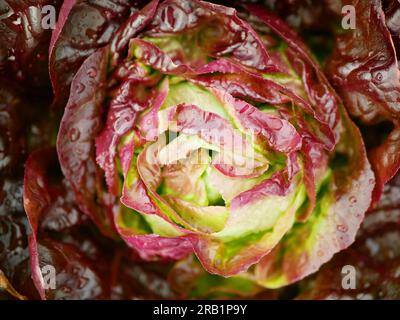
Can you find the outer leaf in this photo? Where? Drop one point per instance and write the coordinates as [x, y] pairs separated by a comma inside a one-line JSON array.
[[40, 199], [24, 42], [82, 27], [332, 227], [371, 86], [239, 40], [374, 255], [78, 129]]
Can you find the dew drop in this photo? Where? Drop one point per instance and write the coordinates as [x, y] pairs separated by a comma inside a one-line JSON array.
[[92, 72], [275, 124], [342, 228], [148, 207], [74, 134], [378, 77], [303, 259], [40, 182], [78, 152], [353, 200], [80, 87]]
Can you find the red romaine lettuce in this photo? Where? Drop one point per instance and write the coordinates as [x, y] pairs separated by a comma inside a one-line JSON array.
[[204, 132]]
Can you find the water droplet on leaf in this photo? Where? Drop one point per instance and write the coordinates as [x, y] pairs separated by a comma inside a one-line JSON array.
[[74, 134], [80, 87], [353, 200], [342, 228], [92, 72]]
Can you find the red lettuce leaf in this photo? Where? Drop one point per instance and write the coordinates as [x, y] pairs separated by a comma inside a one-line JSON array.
[[318, 90], [375, 257], [82, 27], [14, 254], [121, 117], [24, 42], [334, 224], [153, 247], [79, 255], [231, 35], [75, 145], [12, 127], [335, 227], [131, 27], [364, 69], [76, 278]]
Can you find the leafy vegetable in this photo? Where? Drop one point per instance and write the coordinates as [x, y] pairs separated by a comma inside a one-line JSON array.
[[235, 147], [189, 149], [374, 257], [24, 41], [365, 70], [82, 27], [62, 238]]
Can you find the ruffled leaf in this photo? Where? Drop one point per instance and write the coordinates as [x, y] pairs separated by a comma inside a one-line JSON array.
[[370, 87]]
